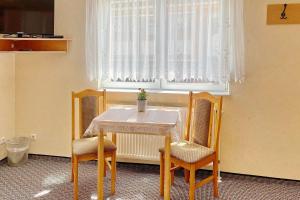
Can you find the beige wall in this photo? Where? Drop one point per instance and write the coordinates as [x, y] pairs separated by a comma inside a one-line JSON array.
[[7, 99], [261, 120], [44, 83]]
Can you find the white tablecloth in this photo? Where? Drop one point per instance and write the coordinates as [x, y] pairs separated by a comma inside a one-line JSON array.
[[155, 121]]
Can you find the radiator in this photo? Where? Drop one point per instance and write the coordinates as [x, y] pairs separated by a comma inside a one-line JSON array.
[[135, 148]]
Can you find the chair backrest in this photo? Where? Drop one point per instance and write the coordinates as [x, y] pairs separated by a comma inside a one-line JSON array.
[[91, 103], [204, 119]]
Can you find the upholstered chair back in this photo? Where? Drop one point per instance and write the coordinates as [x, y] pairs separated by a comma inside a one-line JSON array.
[[201, 121], [91, 103], [90, 109], [204, 118]]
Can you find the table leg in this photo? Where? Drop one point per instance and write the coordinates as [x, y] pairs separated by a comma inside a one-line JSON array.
[[167, 177], [100, 165], [114, 138], [113, 166]]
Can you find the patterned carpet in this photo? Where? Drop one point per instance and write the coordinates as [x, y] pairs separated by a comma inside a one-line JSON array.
[[49, 178]]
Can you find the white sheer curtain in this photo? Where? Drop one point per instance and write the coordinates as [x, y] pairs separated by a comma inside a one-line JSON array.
[[237, 45], [92, 32], [194, 36], [189, 41]]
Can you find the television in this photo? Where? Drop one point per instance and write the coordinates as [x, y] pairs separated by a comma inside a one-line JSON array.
[[32, 17]]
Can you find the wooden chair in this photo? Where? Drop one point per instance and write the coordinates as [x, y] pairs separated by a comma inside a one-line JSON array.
[[201, 149], [91, 103]]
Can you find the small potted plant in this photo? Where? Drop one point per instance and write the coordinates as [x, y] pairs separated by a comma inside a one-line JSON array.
[[142, 100]]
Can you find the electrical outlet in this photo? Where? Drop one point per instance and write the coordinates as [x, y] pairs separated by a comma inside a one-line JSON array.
[[2, 140], [33, 137]]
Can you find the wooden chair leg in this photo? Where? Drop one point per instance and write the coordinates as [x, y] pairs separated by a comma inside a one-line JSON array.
[[215, 174], [186, 175], [162, 174], [104, 164], [75, 168], [172, 174], [192, 182], [113, 173], [72, 162]]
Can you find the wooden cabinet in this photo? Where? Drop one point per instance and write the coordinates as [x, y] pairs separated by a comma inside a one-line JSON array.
[[33, 45]]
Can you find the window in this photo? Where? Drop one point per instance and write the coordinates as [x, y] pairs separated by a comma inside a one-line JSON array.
[[163, 44]]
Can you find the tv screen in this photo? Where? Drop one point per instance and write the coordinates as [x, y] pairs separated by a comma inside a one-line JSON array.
[[28, 16]]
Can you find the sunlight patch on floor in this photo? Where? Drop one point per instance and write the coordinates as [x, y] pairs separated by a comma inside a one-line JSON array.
[[42, 193], [55, 180]]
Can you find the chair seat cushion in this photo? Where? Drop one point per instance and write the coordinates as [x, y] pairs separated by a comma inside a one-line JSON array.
[[90, 145], [188, 152]]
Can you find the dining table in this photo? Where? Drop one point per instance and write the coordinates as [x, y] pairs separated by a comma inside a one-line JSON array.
[[154, 121]]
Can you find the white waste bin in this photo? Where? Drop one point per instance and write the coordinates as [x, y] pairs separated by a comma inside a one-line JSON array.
[[17, 150]]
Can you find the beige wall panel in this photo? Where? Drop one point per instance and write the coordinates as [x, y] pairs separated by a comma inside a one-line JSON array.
[[7, 99]]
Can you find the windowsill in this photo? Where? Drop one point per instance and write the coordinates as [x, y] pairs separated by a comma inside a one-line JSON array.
[[153, 91]]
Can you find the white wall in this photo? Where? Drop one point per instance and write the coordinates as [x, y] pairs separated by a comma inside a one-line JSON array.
[[7, 99]]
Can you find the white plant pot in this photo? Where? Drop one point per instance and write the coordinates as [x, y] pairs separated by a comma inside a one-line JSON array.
[[141, 105]]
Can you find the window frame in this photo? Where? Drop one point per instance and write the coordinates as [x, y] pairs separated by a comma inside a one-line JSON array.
[[161, 86]]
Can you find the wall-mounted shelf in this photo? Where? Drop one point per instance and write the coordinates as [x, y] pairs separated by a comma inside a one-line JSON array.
[[17, 45]]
